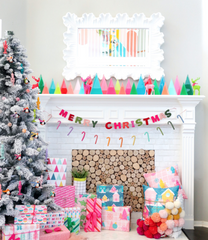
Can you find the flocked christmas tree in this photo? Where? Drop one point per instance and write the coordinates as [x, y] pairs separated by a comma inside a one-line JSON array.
[[23, 176]]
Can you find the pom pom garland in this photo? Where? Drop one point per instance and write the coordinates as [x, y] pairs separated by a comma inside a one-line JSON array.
[[174, 211], [176, 217], [163, 227], [157, 236], [181, 222], [182, 214], [148, 234], [140, 231], [153, 230], [155, 217], [169, 205], [177, 204], [168, 232], [170, 224], [163, 213]]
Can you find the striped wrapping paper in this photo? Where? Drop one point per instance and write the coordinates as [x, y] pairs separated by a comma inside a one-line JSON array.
[[65, 196], [98, 209]]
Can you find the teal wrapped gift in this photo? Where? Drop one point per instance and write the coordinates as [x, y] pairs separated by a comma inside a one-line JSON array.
[[72, 219], [111, 195]]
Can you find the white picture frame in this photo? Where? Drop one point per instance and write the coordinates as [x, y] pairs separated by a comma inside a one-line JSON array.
[[80, 63]]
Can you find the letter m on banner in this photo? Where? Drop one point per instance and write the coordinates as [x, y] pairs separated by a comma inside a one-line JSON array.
[[155, 119], [63, 113]]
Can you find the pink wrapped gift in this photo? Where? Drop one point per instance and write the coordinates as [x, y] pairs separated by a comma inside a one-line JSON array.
[[116, 218], [29, 214], [64, 234], [93, 218], [65, 196], [26, 232]]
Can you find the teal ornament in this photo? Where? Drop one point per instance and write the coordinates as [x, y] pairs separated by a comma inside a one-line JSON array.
[[17, 167], [171, 88], [96, 89], [115, 225], [22, 69], [162, 83], [141, 86], [52, 87], [81, 91]]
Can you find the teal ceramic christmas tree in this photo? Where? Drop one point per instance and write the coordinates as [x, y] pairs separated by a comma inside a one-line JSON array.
[[96, 88], [141, 86]]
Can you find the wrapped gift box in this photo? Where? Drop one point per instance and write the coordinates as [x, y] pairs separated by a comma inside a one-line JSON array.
[[65, 196], [64, 234], [111, 195], [25, 231], [54, 219], [29, 214], [81, 202], [72, 219], [116, 218], [57, 171], [93, 206]]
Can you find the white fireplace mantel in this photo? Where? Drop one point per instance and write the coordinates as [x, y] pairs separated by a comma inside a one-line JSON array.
[[125, 108]]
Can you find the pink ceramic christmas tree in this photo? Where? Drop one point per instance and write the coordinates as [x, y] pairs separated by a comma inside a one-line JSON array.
[[128, 87], [45, 89], [104, 86], [122, 90], [177, 86], [77, 87], [111, 89], [63, 87], [70, 89]]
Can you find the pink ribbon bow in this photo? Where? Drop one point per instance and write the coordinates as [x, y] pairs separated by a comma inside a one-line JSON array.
[[87, 84], [33, 214], [13, 236], [92, 218]]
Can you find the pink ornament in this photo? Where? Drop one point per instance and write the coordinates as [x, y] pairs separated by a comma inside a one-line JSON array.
[[17, 99], [3, 98], [28, 90]]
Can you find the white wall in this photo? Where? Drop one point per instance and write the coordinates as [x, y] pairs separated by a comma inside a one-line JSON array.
[[182, 47]]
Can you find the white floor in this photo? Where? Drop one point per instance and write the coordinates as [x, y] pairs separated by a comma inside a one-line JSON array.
[[116, 235]]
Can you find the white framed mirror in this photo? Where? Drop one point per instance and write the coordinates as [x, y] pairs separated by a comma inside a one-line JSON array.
[[119, 47]]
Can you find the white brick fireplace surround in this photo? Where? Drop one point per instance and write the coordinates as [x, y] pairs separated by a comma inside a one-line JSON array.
[[174, 147]]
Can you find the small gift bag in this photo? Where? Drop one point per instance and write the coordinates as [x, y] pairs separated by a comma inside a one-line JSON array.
[[65, 196], [93, 218]]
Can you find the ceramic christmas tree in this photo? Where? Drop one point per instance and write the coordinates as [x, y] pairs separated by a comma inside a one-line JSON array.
[[111, 89], [188, 86], [162, 83], [63, 87], [104, 86], [183, 90], [133, 89], [177, 86], [57, 90], [41, 84], [117, 87], [156, 88], [96, 88], [128, 87], [81, 91], [45, 89], [23, 166], [141, 86], [77, 87], [165, 90], [52, 87], [70, 89], [122, 89], [171, 88]]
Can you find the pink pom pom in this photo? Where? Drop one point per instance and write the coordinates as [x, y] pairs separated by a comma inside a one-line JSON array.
[[160, 231], [170, 224], [163, 220], [163, 227], [176, 223], [157, 236], [163, 214], [140, 231], [145, 227], [168, 232], [17, 99], [138, 221], [28, 90], [181, 222]]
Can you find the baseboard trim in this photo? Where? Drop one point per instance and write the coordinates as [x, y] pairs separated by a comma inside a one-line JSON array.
[[200, 224]]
